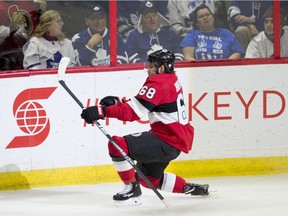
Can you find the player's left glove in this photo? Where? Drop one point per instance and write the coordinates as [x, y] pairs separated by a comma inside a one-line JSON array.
[[109, 101], [93, 113]]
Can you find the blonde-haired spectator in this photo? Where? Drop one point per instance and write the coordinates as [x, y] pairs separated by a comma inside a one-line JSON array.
[[48, 44]]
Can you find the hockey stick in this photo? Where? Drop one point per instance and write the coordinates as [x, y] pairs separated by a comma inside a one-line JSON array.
[[61, 72]]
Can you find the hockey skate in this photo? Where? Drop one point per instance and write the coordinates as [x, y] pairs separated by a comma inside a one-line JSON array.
[[129, 196], [196, 189]]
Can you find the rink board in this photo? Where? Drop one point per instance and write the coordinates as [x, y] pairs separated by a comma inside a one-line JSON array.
[[239, 114]]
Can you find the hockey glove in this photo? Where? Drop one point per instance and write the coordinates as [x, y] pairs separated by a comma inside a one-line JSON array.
[[109, 101], [93, 113]]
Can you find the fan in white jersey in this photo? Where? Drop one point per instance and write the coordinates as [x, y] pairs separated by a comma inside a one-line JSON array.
[[48, 44], [262, 45], [161, 98]]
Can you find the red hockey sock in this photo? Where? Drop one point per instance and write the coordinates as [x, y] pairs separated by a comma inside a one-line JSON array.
[[172, 183], [179, 185], [125, 171]]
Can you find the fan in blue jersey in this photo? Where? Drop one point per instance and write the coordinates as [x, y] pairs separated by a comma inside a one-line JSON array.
[[127, 15], [92, 45], [181, 14], [209, 42], [149, 36]]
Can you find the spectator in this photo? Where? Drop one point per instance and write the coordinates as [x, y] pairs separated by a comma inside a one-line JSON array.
[[20, 19], [285, 9], [92, 45], [4, 33], [209, 42], [73, 14], [246, 19], [149, 36], [181, 14], [48, 43], [20, 29], [4, 61], [33, 8], [127, 15], [261, 46]]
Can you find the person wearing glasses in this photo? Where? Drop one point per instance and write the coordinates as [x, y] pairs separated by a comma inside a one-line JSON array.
[[48, 44], [208, 42], [181, 14]]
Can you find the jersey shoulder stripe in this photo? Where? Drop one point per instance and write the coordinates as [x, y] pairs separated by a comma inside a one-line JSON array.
[[147, 104], [167, 107]]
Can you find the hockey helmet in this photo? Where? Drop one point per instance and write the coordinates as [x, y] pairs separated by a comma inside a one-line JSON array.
[[163, 57]]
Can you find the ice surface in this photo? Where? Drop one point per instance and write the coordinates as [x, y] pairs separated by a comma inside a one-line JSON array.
[[265, 195]]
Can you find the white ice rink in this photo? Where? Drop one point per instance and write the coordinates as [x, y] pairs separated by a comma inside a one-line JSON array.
[[232, 196]]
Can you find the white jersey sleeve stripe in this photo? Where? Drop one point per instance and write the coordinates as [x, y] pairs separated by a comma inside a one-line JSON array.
[[165, 118], [137, 107]]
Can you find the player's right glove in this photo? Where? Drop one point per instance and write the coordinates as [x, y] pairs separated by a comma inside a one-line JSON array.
[[93, 113], [109, 101]]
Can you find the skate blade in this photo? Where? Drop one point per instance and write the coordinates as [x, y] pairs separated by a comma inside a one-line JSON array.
[[210, 192], [130, 202]]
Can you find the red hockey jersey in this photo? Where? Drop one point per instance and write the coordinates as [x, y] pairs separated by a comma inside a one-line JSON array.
[[161, 97]]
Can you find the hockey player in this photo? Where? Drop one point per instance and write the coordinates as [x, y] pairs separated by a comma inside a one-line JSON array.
[[92, 45], [161, 98]]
